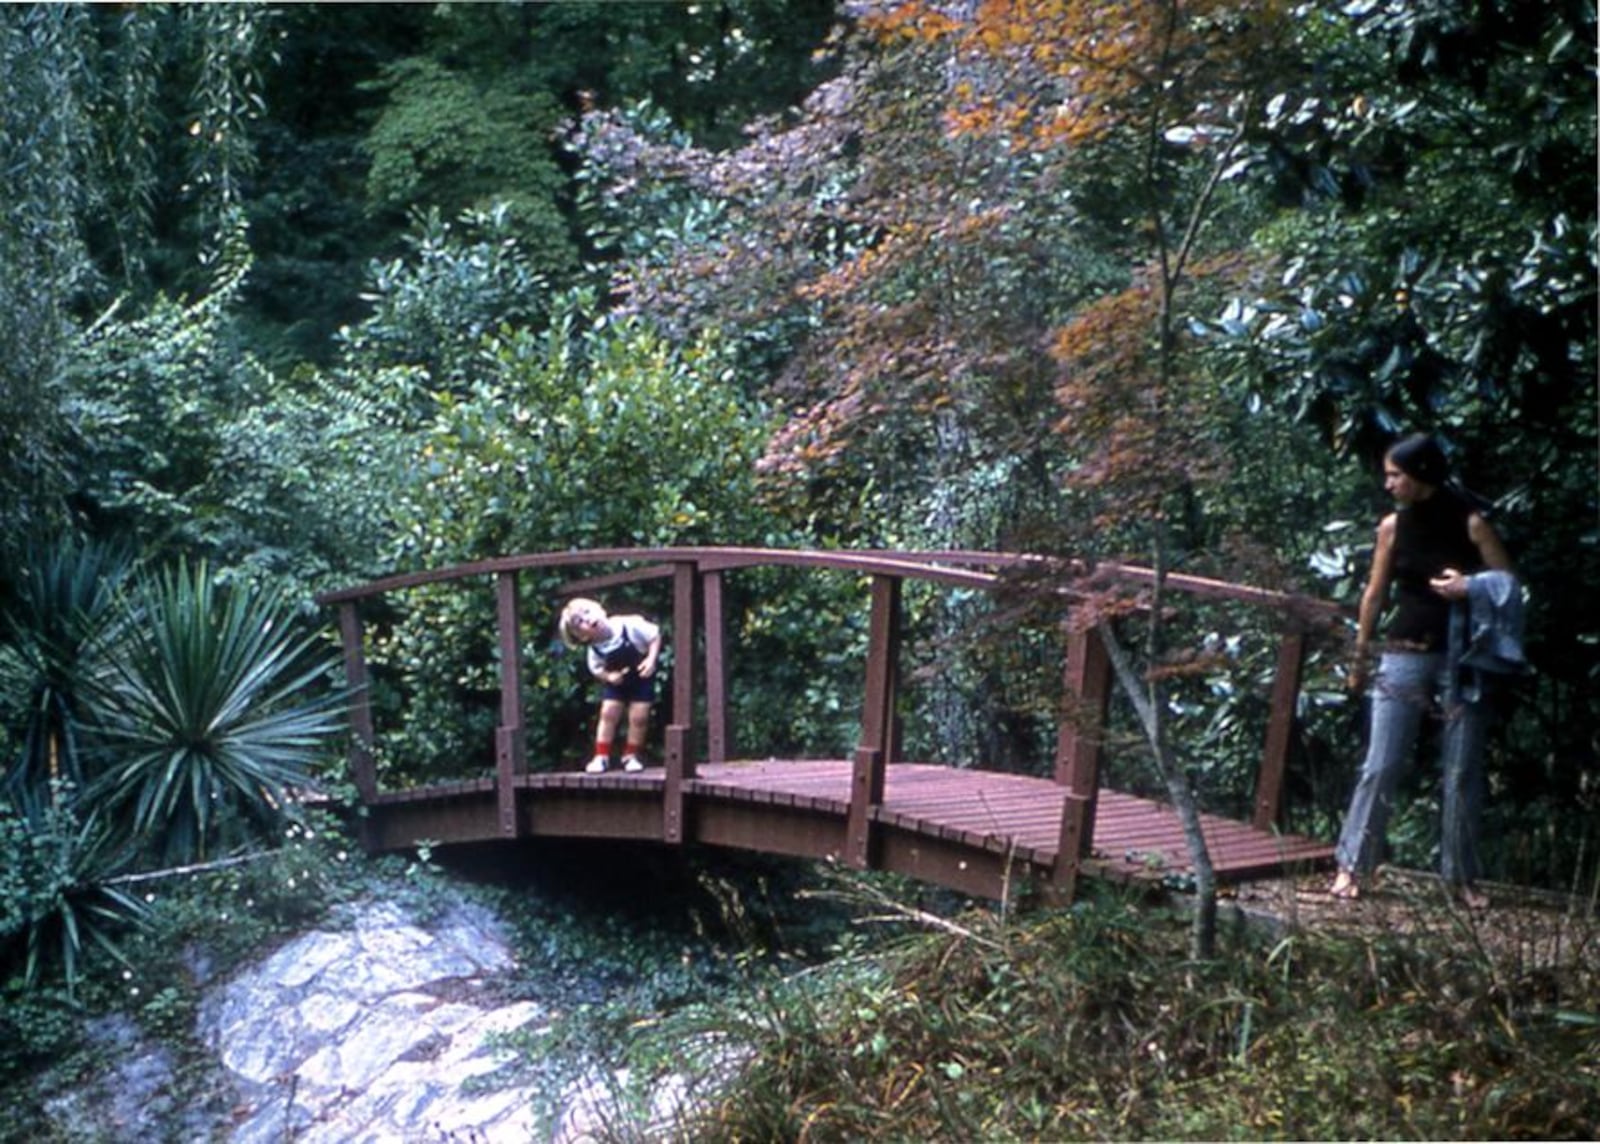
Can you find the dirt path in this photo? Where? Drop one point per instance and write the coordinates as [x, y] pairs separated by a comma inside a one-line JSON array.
[[1521, 929]]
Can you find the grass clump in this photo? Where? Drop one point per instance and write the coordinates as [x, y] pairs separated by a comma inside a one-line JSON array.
[[1091, 1023]]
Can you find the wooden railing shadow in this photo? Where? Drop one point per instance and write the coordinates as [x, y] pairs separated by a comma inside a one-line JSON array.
[[698, 593]]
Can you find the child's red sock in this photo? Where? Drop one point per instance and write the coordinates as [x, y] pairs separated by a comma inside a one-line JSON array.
[[602, 749]]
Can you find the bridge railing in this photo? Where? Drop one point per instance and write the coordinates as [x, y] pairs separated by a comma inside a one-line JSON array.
[[697, 578]]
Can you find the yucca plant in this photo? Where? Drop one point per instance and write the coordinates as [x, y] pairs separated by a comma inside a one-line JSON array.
[[58, 895], [57, 624], [211, 713]]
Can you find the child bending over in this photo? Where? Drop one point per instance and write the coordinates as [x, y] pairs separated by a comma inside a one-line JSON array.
[[622, 654]]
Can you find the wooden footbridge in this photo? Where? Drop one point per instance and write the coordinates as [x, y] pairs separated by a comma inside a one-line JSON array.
[[974, 830]]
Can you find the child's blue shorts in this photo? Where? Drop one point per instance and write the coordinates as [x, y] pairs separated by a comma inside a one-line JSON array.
[[634, 688]]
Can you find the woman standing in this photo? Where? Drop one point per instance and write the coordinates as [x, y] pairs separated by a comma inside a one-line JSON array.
[[1427, 552]]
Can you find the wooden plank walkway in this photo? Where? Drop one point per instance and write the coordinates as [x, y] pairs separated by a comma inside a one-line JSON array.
[[974, 831]]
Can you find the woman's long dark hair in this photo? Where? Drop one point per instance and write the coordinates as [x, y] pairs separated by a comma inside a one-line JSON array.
[[1421, 457]]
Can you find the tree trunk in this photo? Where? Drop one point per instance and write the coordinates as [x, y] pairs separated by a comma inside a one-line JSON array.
[[1148, 703]]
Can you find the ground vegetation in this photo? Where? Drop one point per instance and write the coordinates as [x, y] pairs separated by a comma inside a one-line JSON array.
[[1093, 1024]]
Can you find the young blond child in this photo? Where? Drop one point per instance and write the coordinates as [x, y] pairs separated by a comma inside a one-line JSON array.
[[622, 654]]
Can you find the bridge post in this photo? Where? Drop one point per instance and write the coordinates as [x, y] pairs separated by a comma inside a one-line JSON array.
[[883, 668], [363, 771], [1085, 702], [683, 577], [680, 732], [1280, 728], [878, 745], [511, 760], [866, 795], [717, 744]]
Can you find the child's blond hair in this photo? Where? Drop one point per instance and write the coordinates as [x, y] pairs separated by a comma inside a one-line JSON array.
[[575, 606]]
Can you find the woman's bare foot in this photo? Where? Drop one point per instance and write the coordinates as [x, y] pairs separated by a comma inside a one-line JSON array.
[[1345, 886]]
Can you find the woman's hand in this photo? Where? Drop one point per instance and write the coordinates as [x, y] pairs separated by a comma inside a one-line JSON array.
[[1450, 584]]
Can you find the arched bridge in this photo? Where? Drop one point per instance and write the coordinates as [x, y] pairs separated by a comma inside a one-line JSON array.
[[968, 828]]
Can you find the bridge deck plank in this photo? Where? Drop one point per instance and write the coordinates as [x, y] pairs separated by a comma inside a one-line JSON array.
[[1014, 817]]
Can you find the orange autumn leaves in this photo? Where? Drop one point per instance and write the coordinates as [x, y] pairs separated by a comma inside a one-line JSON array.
[[1047, 73], [1111, 392]]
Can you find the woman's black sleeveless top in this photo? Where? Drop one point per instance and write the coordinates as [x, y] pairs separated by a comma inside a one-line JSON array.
[[1430, 536]]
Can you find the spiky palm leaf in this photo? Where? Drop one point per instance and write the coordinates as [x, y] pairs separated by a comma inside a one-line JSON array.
[[58, 624], [214, 708], [58, 895]]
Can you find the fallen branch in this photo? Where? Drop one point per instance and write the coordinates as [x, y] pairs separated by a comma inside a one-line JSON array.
[[197, 868]]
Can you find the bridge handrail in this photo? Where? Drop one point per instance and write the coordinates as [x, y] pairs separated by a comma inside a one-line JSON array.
[[926, 565], [705, 557], [697, 570]]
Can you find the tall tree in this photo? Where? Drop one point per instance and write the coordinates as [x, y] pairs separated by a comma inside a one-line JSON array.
[[888, 284], [45, 133], [94, 96], [1155, 99]]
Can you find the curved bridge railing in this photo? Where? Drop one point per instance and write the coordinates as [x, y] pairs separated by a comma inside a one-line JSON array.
[[697, 621]]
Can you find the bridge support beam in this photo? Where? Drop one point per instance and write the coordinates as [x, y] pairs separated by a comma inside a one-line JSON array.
[[683, 577], [363, 771], [1280, 729], [717, 743], [679, 768], [510, 762], [1086, 698], [866, 795], [879, 744], [878, 730], [511, 759], [680, 732]]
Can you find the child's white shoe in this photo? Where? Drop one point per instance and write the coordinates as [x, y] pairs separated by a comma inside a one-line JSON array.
[[633, 764], [597, 765]]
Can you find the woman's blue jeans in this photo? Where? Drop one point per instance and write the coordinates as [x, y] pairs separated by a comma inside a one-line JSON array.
[[1409, 687]]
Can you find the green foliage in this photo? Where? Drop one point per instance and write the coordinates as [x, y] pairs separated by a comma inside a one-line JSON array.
[[209, 715], [44, 132], [796, 647], [712, 68], [122, 124], [225, 99], [149, 395], [58, 626], [185, 441], [295, 497], [624, 218], [36, 1025], [457, 282], [452, 141], [57, 903], [615, 948], [901, 333], [591, 435]]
